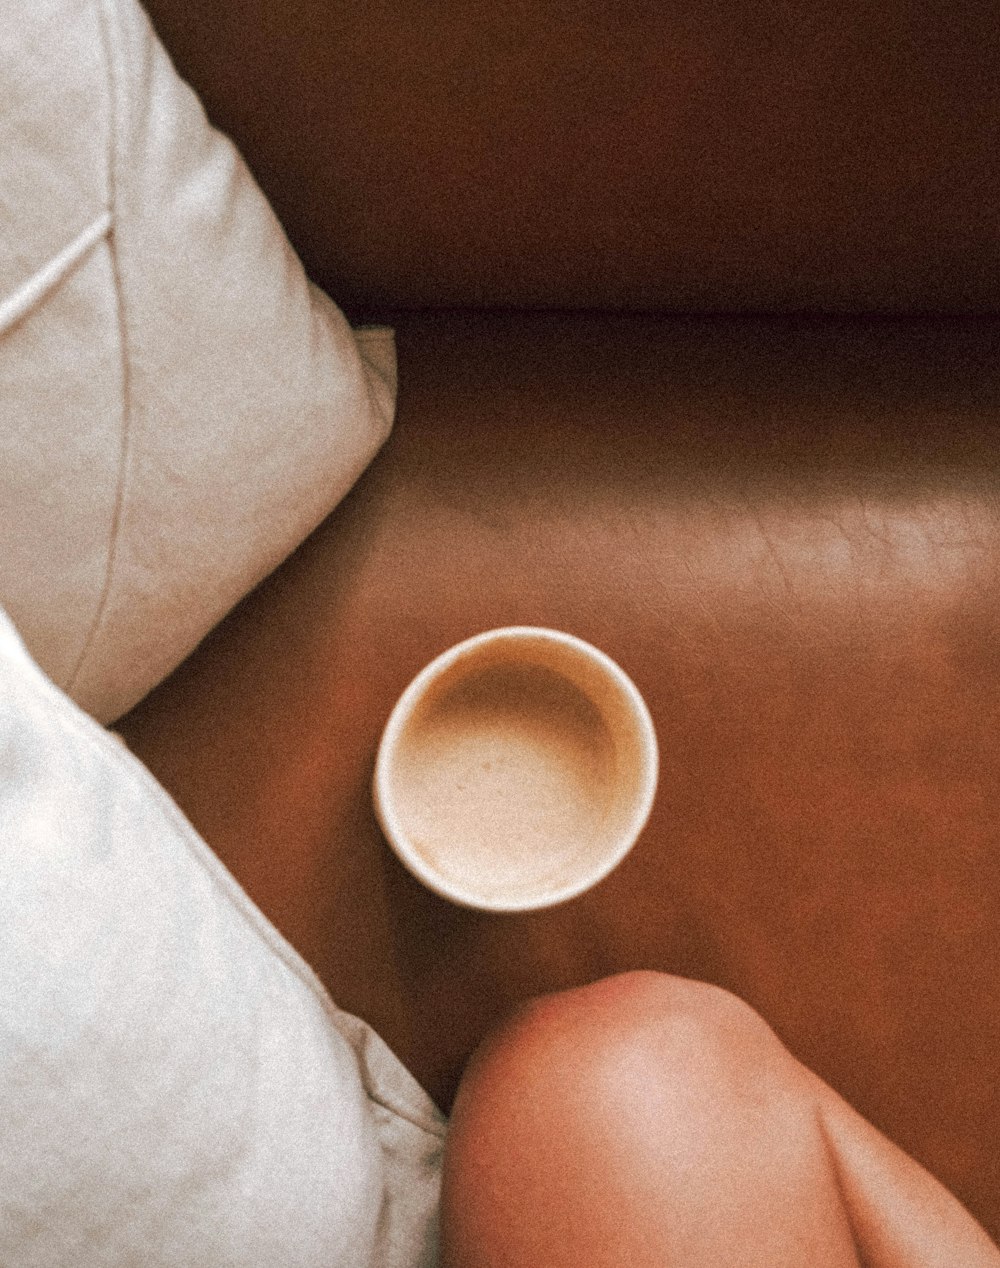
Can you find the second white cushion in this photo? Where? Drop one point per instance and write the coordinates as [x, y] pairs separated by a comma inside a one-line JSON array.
[[176, 1088]]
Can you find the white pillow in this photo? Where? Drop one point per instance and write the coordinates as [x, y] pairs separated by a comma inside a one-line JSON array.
[[179, 407], [176, 1088]]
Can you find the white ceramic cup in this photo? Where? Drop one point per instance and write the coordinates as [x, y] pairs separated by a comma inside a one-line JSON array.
[[516, 770]]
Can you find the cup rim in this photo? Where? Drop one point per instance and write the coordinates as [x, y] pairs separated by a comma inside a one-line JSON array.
[[387, 813]]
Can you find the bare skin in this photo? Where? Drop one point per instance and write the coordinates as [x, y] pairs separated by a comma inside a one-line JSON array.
[[650, 1120]]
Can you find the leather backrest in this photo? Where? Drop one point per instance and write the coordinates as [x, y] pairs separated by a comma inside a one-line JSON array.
[[655, 154]]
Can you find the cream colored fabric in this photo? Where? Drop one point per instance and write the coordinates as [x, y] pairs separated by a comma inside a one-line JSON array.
[[176, 1088], [179, 407]]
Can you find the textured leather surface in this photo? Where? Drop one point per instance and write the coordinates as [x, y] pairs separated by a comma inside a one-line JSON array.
[[660, 154], [788, 533]]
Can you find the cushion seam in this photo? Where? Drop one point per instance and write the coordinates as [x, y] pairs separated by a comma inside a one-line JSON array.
[[105, 21]]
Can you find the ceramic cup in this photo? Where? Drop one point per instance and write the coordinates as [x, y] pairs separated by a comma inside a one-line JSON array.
[[516, 770]]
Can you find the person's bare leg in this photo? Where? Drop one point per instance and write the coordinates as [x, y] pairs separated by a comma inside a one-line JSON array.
[[649, 1120], [902, 1217]]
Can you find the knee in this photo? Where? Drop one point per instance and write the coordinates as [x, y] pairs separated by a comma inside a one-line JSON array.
[[620, 1037], [642, 1074], [593, 1063]]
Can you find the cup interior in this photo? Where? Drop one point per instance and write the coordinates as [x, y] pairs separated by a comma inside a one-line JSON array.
[[516, 770]]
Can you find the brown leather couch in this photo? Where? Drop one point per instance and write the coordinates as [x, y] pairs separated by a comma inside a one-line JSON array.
[[699, 358]]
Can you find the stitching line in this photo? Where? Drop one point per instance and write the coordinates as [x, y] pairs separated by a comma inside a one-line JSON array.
[[117, 517]]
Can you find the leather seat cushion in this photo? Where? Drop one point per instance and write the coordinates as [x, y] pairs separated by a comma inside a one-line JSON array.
[[788, 534]]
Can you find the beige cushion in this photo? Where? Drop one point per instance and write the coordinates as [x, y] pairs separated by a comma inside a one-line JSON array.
[[176, 1088], [179, 407]]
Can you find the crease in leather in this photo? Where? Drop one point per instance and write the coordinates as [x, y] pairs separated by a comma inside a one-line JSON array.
[[105, 19], [26, 298]]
